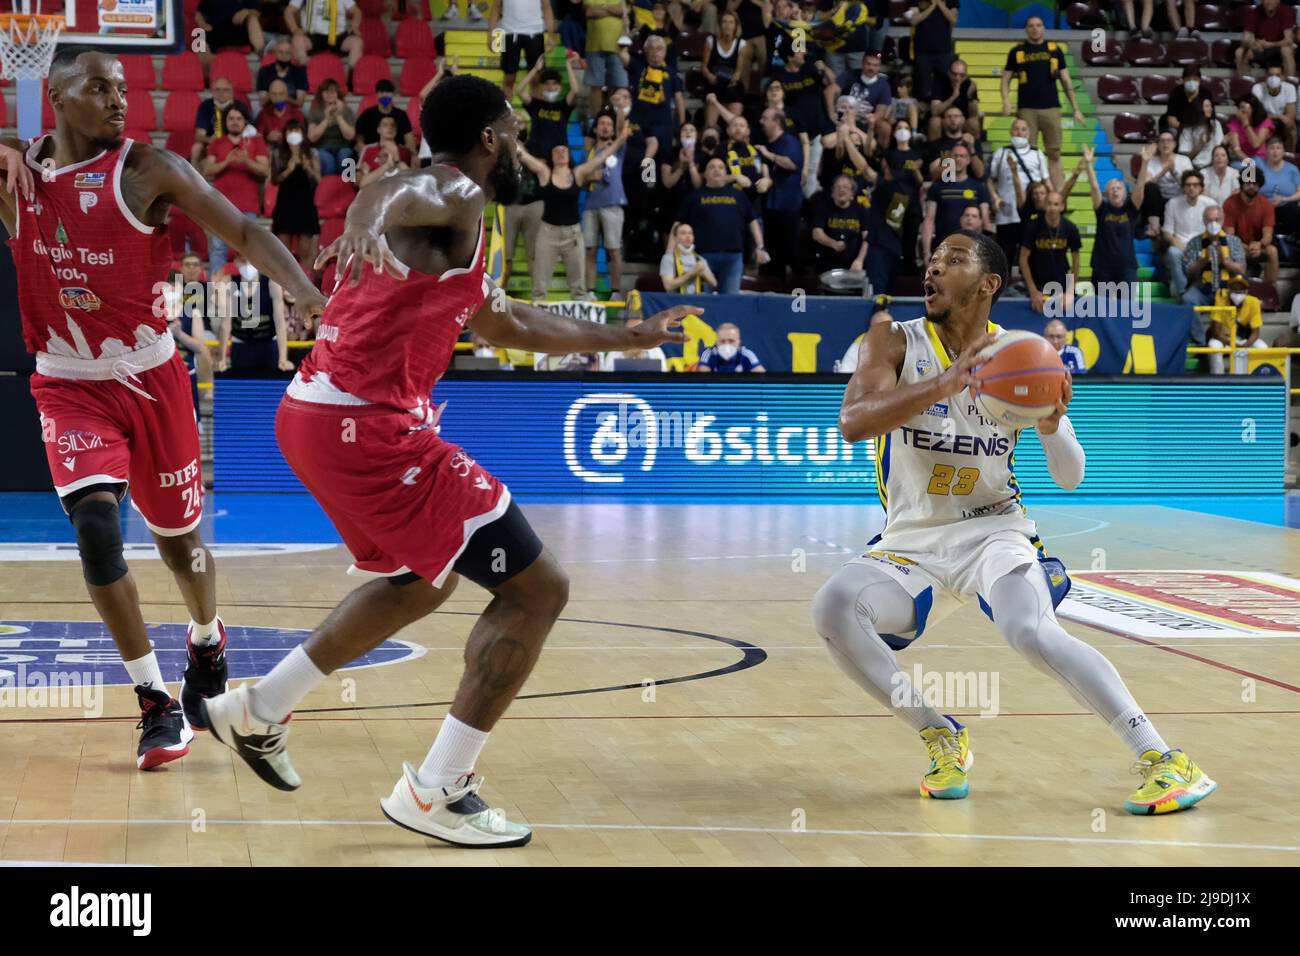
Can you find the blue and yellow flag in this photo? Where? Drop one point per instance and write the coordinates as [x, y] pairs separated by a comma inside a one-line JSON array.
[[496, 258]]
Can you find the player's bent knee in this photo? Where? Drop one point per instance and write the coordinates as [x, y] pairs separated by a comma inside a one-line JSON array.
[[98, 527]]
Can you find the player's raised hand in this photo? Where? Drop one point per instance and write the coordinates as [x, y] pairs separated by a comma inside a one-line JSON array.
[[959, 374], [18, 176], [1052, 422], [659, 329], [355, 248]]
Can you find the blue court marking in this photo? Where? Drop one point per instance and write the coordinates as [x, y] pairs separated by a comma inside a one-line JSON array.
[[84, 647]]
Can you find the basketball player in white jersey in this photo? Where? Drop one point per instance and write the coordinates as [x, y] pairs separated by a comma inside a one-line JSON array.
[[956, 530]]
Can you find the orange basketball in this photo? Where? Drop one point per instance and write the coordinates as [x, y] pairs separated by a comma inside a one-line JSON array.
[[1019, 380]]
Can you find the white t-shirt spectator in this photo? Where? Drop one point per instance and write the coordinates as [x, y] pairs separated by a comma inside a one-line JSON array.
[[1168, 184], [317, 17], [1275, 104], [1188, 138], [1031, 166], [608, 359], [1185, 221], [1220, 189], [522, 16]]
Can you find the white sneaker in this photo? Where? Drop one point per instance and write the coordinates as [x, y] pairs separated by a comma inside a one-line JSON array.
[[451, 13], [475, 13], [455, 815], [261, 745]]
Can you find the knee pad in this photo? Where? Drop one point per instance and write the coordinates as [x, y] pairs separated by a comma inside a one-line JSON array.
[[99, 542]]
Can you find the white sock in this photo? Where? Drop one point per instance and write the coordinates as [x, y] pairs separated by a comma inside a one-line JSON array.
[[452, 755], [274, 697], [202, 634], [144, 670], [1138, 732]]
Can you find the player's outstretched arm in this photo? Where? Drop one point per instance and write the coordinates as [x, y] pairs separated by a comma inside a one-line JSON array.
[[509, 324], [424, 198], [875, 404], [178, 183]]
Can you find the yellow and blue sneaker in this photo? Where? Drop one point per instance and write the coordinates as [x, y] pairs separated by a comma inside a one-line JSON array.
[[950, 760], [1170, 782]]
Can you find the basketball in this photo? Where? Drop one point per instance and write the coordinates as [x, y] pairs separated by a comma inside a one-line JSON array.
[[1020, 379]]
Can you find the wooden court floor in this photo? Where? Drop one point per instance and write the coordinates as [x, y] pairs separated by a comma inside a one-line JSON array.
[[776, 760]]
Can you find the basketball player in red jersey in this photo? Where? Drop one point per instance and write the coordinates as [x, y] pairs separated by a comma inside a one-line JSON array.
[[86, 212], [358, 429]]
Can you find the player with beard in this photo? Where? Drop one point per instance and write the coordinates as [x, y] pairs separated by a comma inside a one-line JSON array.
[[358, 428], [87, 212], [955, 529]]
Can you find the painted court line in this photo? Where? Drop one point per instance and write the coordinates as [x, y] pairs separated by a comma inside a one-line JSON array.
[[670, 828]]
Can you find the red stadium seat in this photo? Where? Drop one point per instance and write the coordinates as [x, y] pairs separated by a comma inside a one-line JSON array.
[[1135, 128], [140, 111], [1144, 53], [1214, 86], [233, 66], [1240, 86], [1188, 52], [140, 74], [331, 229], [1110, 54], [690, 46], [415, 39], [1213, 19], [325, 66], [1266, 292], [1084, 16], [367, 101], [413, 114], [374, 37], [369, 71], [1221, 53], [181, 141], [139, 135], [183, 71], [415, 73], [1134, 166], [333, 196], [183, 232], [1117, 89], [1238, 16], [179, 111], [1156, 89]]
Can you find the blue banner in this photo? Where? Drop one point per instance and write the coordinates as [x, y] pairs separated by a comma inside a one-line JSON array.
[[726, 436], [811, 333]]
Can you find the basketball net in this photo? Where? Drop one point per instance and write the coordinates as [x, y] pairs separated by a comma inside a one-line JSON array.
[[27, 43]]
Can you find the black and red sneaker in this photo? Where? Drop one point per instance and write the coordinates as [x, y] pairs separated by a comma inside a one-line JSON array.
[[205, 675], [166, 735]]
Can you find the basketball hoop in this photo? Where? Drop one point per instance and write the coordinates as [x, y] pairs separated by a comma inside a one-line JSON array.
[[27, 43]]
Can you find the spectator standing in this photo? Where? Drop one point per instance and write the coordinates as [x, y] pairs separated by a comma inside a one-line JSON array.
[[658, 96], [1118, 220], [728, 354], [1037, 65], [384, 157], [932, 48], [905, 105], [1249, 130], [549, 107], [283, 68], [606, 22], [753, 33], [784, 200], [1280, 185], [529, 29], [682, 269], [1071, 355], [317, 25], [1010, 170], [237, 164], [956, 89], [1210, 260], [277, 114], [724, 66], [331, 128], [1197, 138], [1251, 218], [1049, 251], [898, 198], [947, 199], [295, 171], [1186, 101], [1268, 38], [668, 25], [838, 35], [1186, 26], [370, 118], [721, 215], [230, 23], [1163, 167], [840, 229], [868, 89], [1278, 97], [251, 322], [808, 89], [560, 236], [1240, 328], [602, 219], [1184, 221], [1221, 180], [954, 131]]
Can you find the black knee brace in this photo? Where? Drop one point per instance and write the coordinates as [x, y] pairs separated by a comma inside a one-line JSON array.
[[99, 541]]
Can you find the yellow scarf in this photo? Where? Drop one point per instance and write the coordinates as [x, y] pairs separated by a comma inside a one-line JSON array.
[[681, 270]]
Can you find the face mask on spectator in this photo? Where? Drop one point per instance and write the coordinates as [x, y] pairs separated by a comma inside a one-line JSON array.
[[551, 95], [1020, 142], [625, 110], [1274, 82], [385, 100], [681, 247], [903, 135], [1237, 297], [1213, 228], [727, 352], [870, 79], [688, 141], [1191, 86], [293, 138], [248, 272]]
